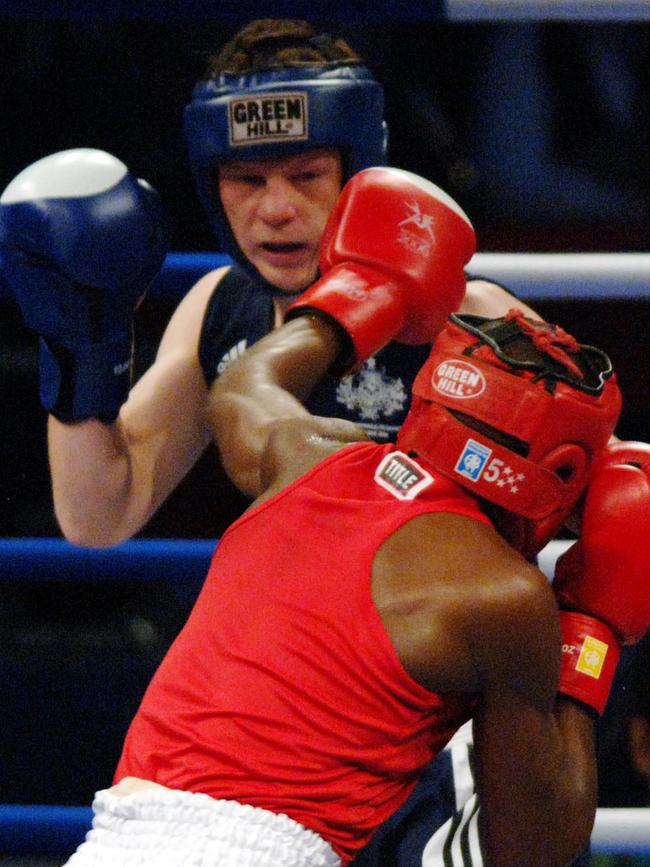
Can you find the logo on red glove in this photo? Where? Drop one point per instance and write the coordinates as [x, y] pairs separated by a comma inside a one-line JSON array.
[[401, 476], [422, 240], [457, 378]]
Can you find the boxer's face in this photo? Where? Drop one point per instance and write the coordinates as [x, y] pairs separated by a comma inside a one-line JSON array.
[[277, 210]]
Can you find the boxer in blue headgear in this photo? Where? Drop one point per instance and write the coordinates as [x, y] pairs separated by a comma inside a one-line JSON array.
[[284, 116], [282, 119], [313, 92]]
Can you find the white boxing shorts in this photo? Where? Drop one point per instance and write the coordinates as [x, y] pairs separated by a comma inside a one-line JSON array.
[[159, 827]]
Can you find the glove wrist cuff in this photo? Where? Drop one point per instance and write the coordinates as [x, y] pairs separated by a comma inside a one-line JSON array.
[[365, 304], [590, 654], [92, 382]]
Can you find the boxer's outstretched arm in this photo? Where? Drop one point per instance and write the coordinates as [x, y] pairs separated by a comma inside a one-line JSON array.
[[265, 389]]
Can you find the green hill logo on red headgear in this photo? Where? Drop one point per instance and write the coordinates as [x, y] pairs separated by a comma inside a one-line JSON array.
[[457, 378]]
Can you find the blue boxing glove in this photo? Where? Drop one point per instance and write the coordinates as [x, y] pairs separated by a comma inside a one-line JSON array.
[[82, 239]]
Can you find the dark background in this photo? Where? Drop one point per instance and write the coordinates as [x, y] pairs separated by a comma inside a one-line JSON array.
[[540, 131]]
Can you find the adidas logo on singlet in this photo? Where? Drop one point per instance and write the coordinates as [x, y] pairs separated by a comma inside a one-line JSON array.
[[232, 355]]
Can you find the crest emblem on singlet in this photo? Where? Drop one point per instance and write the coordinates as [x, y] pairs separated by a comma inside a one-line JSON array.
[[401, 476], [371, 393]]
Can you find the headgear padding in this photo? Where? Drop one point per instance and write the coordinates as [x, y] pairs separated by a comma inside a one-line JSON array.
[[278, 113], [515, 411]]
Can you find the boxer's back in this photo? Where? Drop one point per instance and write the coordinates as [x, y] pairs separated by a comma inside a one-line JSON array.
[[284, 690]]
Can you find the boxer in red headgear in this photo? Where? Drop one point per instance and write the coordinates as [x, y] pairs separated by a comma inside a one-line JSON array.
[[365, 606], [515, 411]]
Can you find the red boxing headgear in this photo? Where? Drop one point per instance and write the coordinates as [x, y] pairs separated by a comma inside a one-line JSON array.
[[515, 411]]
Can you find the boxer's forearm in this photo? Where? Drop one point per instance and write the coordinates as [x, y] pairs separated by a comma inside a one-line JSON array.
[[538, 786], [267, 385], [90, 480], [109, 479]]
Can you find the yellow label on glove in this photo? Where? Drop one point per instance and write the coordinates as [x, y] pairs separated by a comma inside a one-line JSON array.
[[592, 657]]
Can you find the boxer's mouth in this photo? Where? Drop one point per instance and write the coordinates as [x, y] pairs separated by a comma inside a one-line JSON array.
[[284, 248]]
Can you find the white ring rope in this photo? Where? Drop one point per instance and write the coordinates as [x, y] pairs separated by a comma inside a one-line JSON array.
[[568, 276], [624, 830], [547, 10], [541, 276]]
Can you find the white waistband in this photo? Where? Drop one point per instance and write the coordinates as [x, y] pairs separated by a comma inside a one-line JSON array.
[[171, 828]]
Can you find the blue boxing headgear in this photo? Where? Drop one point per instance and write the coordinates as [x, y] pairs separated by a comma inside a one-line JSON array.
[[277, 113]]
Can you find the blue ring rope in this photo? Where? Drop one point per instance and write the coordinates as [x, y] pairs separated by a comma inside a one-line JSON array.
[[41, 559]]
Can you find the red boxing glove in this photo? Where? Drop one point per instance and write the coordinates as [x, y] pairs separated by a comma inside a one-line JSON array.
[[603, 580], [392, 259]]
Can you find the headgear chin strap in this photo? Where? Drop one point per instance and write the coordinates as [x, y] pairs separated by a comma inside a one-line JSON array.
[[278, 113], [515, 411]]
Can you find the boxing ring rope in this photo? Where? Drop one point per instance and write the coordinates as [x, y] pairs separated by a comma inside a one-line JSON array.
[[547, 10], [57, 830], [542, 276], [36, 559]]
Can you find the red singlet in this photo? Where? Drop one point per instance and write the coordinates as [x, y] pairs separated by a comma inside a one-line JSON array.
[[283, 689]]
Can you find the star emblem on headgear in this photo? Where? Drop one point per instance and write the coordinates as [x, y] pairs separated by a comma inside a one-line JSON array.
[[511, 479]]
